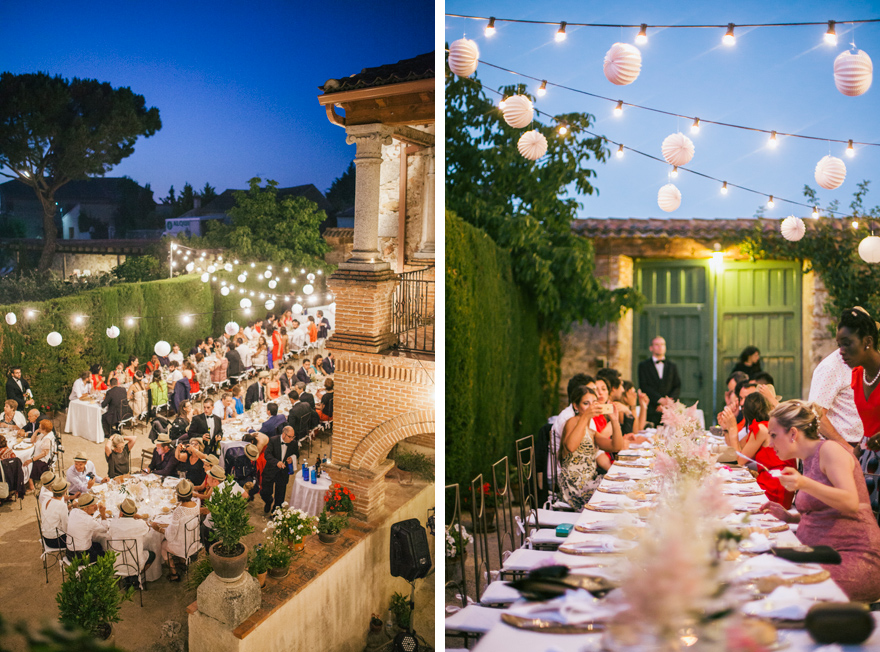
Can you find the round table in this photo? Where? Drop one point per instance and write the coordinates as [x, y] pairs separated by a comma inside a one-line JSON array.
[[307, 496], [84, 420]]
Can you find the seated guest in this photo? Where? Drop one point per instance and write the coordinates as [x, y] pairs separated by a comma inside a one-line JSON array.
[[197, 348], [153, 365], [82, 476], [189, 372], [176, 355], [241, 464], [46, 481], [302, 417], [257, 392], [225, 408], [137, 395], [82, 528], [832, 499], [235, 367], [164, 462], [318, 365], [210, 462], [81, 386], [214, 477], [180, 394], [181, 424], [97, 379], [174, 374], [287, 379], [260, 358], [329, 364], [6, 453], [119, 374], [246, 351], [158, 394], [302, 395], [130, 525], [305, 373], [236, 392], [117, 451], [325, 407], [44, 439], [218, 371], [114, 400], [203, 365], [275, 421], [32, 425], [53, 525], [763, 378], [11, 415], [176, 539], [132, 368], [634, 407], [189, 460]]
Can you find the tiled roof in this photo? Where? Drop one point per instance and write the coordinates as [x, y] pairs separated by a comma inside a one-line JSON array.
[[94, 189], [699, 229], [405, 70]]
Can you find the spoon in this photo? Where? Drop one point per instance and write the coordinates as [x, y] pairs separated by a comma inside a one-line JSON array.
[[746, 457]]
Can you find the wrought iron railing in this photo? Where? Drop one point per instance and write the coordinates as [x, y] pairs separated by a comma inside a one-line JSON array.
[[412, 311]]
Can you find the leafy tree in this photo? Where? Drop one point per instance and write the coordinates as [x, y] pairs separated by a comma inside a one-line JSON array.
[[137, 209], [138, 268], [341, 191], [53, 131], [523, 205]]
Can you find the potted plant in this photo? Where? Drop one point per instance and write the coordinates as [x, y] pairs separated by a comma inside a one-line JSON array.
[[228, 509], [258, 563], [330, 525], [489, 505], [278, 558], [339, 500], [292, 526], [399, 608], [457, 539], [90, 597]]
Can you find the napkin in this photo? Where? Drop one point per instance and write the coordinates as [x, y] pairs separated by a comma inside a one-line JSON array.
[[769, 565], [756, 542], [784, 603], [574, 608], [171, 481]]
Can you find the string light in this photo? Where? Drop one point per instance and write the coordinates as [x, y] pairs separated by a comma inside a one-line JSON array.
[[542, 89], [490, 28], [831, 34], [695, 128], [815, 212], [770, 202], [729, 38], [620, 152], [562, 130], [724, 188], [850, 151], [618, 110], [185, 319], [674, 173], [78, 319], [773, 141], [855, 224], [560, 34], [29, 313], [129, 322], [642, 36]]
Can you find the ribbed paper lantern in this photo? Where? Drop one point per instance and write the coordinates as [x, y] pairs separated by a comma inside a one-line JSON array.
[[869, 249], [623, 62], [242, 278], [297, 308], [54, 338], [224, 291], [830, 172], [11, 318], [310, 277], [793, 228], [273, 284], [463, 56], [231, 328], [669, 198], [270, 304], [162, 348], [678, 149], [245, 303], [308, 289], [532, 145], [113, 332], [205, 277], [853, 72], [518, 111]]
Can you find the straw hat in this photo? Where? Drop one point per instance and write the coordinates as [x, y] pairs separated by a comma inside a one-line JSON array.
[[80, 457], [212, 460], [47, 479], [252, 452], [85, 500], [128, 508], [263, 374], [184, 489], [59, 487], [163, 439], [217, 473]]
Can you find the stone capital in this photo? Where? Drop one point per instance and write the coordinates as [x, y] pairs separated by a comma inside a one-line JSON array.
[[369, 137]]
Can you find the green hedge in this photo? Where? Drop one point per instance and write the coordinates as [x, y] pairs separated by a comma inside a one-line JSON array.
[[494, 370], [52, 370]]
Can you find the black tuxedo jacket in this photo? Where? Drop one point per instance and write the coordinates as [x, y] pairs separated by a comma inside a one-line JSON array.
[[199, 426], [302, 417], [273, 456], [13, 393], [235, 368], [253, 394], [287, 383], [656, 387], [113, 401]]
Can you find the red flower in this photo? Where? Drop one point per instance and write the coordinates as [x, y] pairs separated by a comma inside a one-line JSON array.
[[326, 498]]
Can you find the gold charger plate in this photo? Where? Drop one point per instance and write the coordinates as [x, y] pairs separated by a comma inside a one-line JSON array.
[[637, 466], [758, 492], [551, 627], [572, 549], [613, 509], [740, 480], [619, 491]]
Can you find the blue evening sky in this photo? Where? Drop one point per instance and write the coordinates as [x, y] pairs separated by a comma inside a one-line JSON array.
[[236, 83], [775, 78]]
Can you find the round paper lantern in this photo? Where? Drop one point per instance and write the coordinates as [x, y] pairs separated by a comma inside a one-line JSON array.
[[190, 267], [669, 198], [853, 72], [113, 332], [623, 62], [869, 249], [793, 228], [311, 277], [678, 149], [228, 267], [308, 289], [518, 111], [162, 348], [206, 277], [532, 145], [830, 172], [211, 269], [245, 303], [463, 57], [267, 274], [270, 304], [11, 318], [54, 338], [273, 284], [297, 308], [224, 291], [242, 278], [231, 328]]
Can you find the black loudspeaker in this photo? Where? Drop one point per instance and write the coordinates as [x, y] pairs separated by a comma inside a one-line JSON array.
[[410, 554]]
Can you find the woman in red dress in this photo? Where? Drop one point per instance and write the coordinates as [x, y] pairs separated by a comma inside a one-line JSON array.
[[97, 379]]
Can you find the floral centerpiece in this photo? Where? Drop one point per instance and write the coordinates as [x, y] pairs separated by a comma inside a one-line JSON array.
[[291, 525], [680, 447], [681, 419], [339, 500], [457, 539]]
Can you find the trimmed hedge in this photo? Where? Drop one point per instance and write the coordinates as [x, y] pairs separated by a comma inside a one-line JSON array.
[[494, 369], [51, 371]]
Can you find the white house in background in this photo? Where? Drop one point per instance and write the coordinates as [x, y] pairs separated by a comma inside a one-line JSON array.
[[70, 225]]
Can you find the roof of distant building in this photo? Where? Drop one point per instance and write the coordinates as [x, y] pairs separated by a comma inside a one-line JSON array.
[[94, 189], [226, 200], [405, 70], [699, 229]]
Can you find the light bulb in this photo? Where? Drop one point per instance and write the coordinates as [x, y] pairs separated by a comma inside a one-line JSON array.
[[773, 142], [302, 271], [642, 36], [253, 264], [542, 89], [724, 188], [129, 322], [185, 319], [729, 38], [562, 130], [29, 313], [695, 128], [618, 110], [490, 28], [560, 34], [855, 224], [831, 34], [674, 172], [620, 152], [815, 212], [78, 319], [770, 202], [235, 262], [850, 151], [500, 106]]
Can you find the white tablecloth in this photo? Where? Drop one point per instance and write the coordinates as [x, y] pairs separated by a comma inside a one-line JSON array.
[[84, 420], [307, 496], [25, 455]]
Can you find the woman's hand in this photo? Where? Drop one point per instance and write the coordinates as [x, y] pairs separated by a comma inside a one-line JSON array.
[[790, 479], [644, 400], [769, 392], [873, 442], [776, 510]]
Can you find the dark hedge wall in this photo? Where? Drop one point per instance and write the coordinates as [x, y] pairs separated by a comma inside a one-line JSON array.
[[494, 370]]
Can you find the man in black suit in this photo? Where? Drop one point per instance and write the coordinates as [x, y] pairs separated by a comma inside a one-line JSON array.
[[280, 451], [17, 389], [235, 367], [116, 401], [329, 365], [206, 425], [299, 393], [658, 378], [302, 417], [257, 391]]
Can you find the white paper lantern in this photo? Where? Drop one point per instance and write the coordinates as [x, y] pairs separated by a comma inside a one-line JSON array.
[[54, 338], [273, 284], [669, 198], [869, 249], [206, 277], [190, 267], [231, 328], [162, 348], [793, 228], [678, 149], [11, 318], [267, 274], [532, 145], [270, 304], [297, 308], [242, 278], [113, 332], [518, 111], [463, 57], [623, 62], [311, 277], [853, 72], [224, 291], [830, 172], [245, 303], [308, 289], [211, 269], [228, 267]]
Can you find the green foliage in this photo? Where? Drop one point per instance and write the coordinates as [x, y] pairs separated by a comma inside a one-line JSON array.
[[341, 191], [523, 205], [33, 286], [12, 227], [417, 463], [400, 608], [331, 522], [90, 595], [258, 560], [278, 555], [137, 209], [493, 355], [198, 572], [53, 638], [230, 515], [52, 370], [830, 248], [138, 268]]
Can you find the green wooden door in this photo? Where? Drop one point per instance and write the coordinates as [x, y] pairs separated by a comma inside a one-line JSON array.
[[678, 308], [760, 305]]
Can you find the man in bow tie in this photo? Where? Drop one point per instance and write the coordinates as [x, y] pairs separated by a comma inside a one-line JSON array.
[[658, 378]]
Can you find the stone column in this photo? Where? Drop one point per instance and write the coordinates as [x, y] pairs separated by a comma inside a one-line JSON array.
[[369, 139], [426, 247]]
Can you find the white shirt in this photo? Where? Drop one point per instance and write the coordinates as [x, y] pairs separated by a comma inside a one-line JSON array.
[[54, 518], [659, 365], [18, 419], [831, 388], [128, 528], [175, 533], [222, 411], [79, 482], [176, 357], [176, 375], [80, 387], [44, 497], [82, 528]]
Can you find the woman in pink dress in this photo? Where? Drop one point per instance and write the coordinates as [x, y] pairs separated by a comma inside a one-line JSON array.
[[832, 499]]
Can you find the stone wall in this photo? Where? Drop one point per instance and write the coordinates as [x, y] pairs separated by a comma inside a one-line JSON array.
[[819, 341]]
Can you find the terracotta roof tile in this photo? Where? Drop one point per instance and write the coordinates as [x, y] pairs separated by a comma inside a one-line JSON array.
[[420, 67], [698, 229]]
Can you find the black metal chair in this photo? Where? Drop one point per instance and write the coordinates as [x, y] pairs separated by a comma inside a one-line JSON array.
[[128, 561], [59, 555]]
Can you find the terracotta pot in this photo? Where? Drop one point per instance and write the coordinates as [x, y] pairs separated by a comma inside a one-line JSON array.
[[103, 631], [278, 573], [228, 569], [296, 546], [262, 578], [328, 538]]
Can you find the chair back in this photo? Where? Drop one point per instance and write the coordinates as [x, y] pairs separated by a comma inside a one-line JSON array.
[[528, 488], [128, 556], [58, 533], [506, 532], [482, 563], [455, 566], [191, 541]]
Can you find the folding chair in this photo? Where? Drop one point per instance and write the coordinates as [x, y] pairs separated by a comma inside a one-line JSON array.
[[59, 555], [191, 541], [128, 561], [127, 416]]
